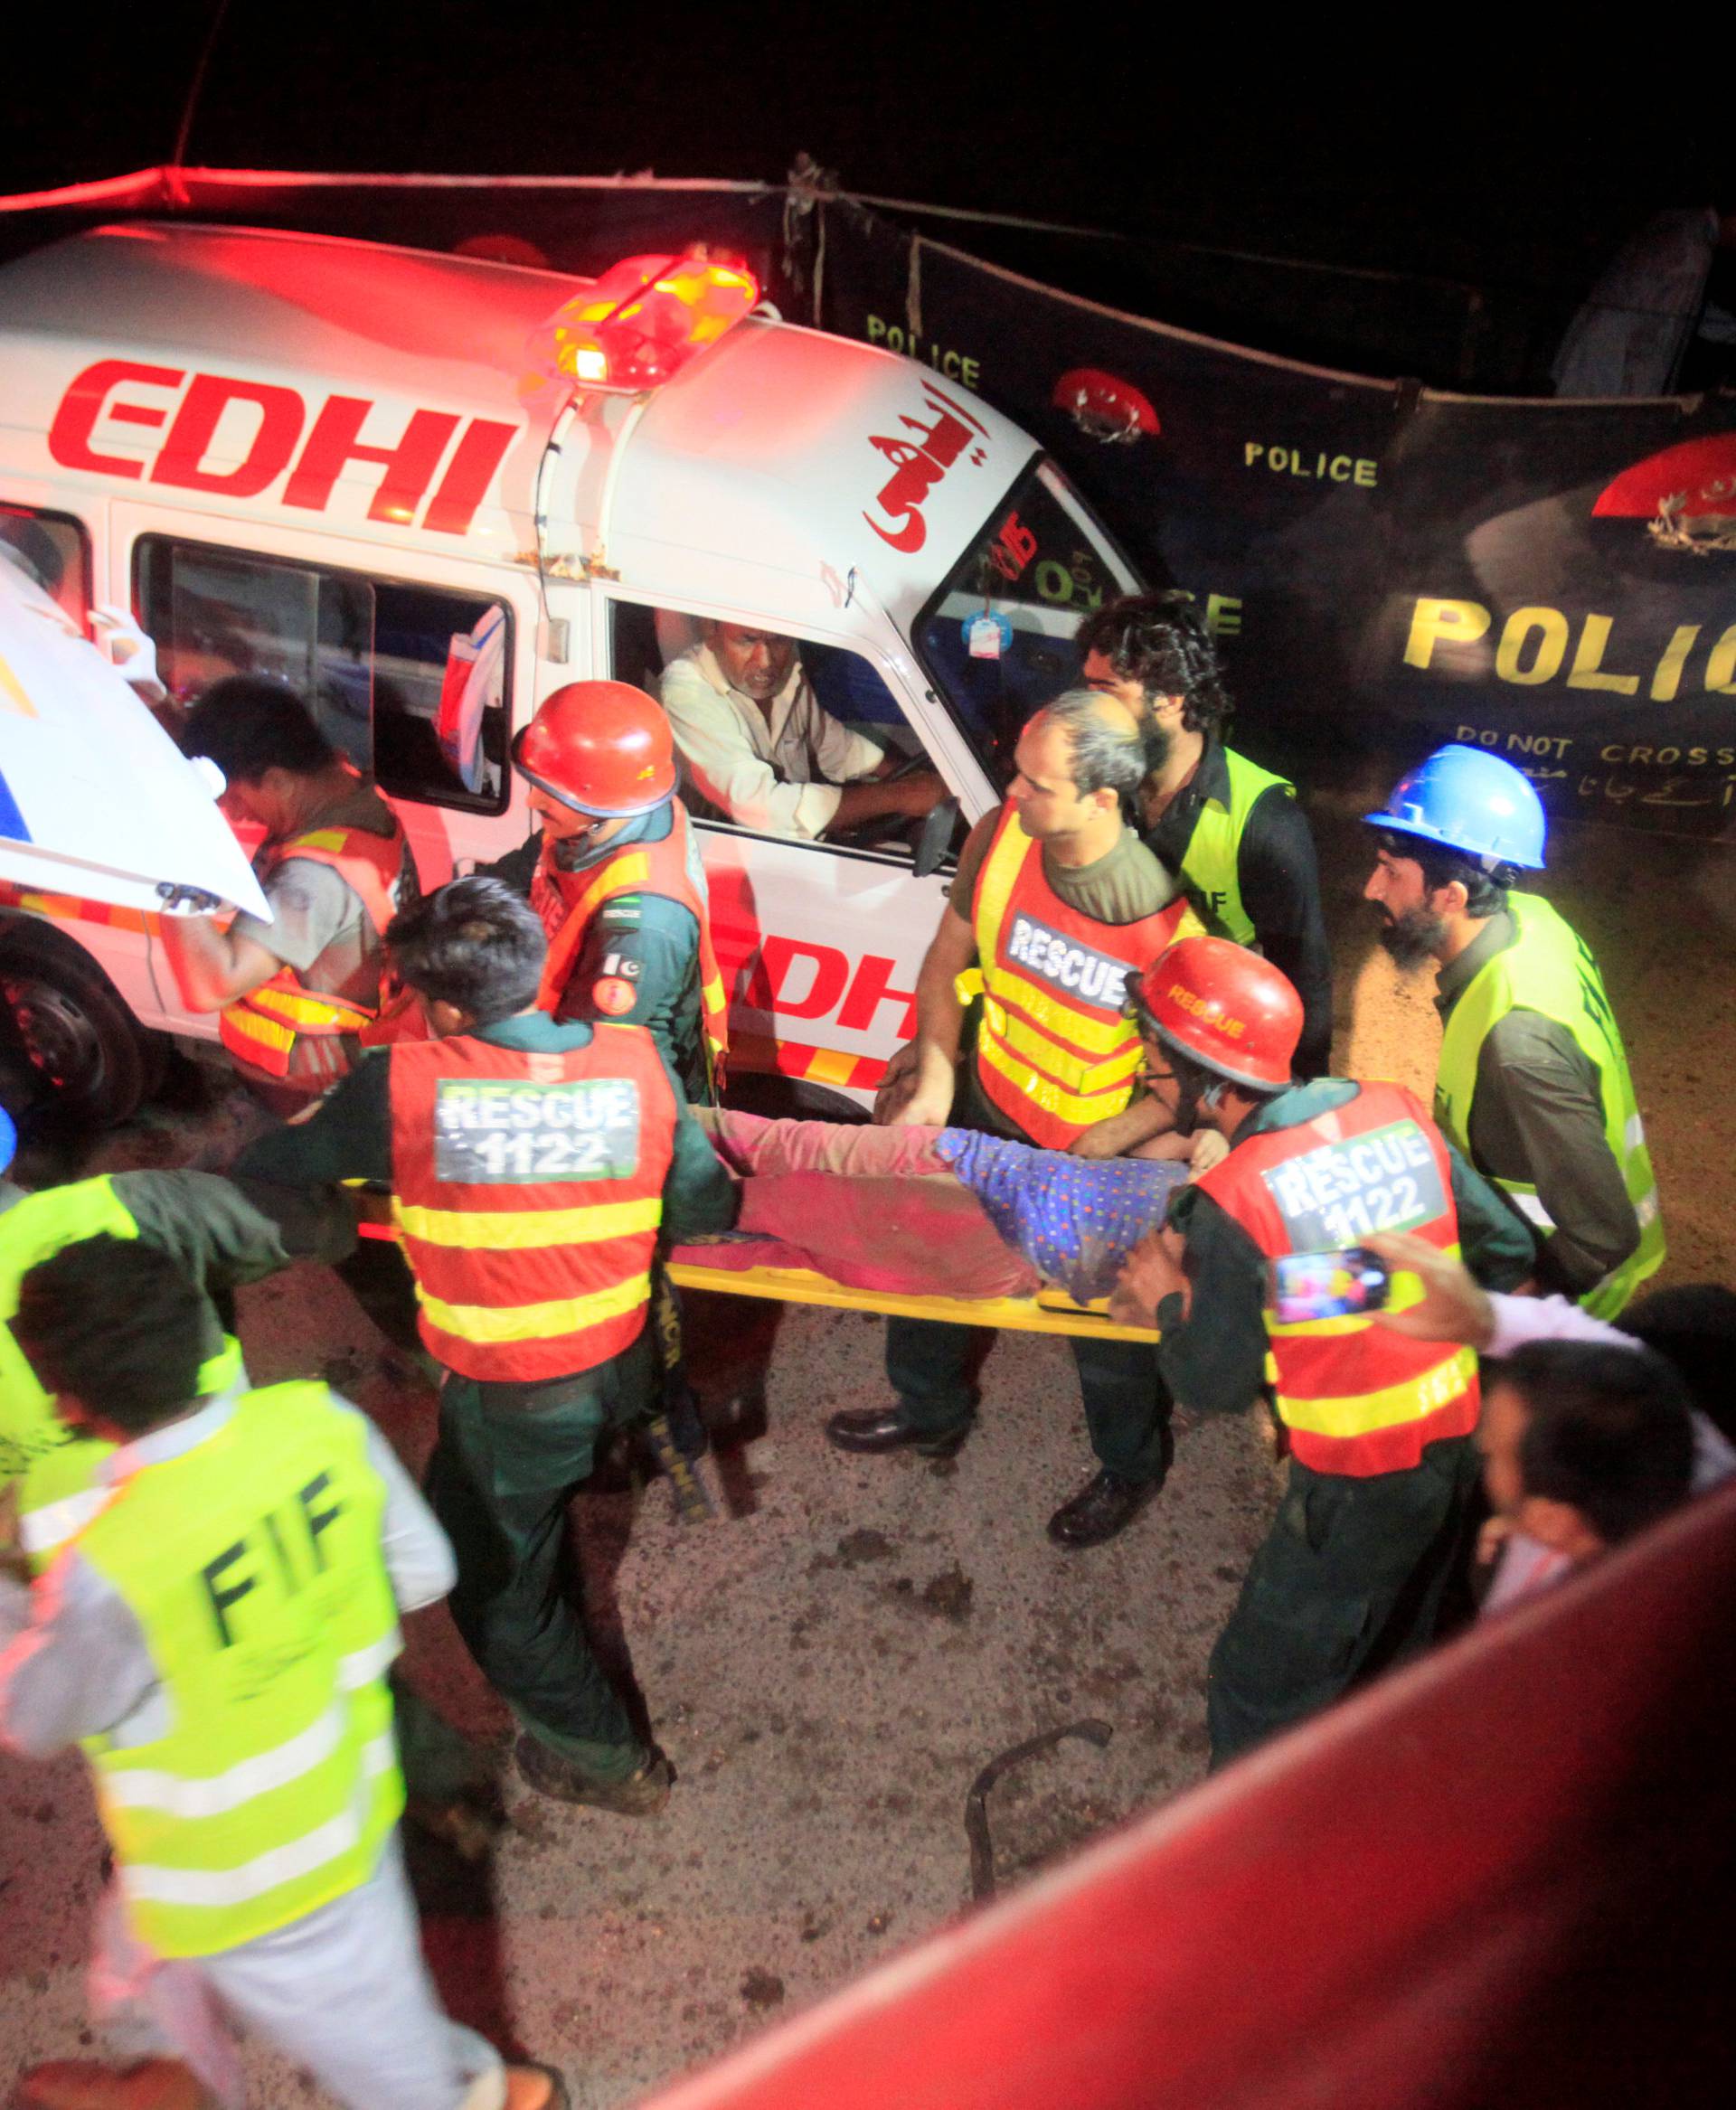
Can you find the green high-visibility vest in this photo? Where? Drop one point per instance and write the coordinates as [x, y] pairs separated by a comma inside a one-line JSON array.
[[53, 1463], [252, 1563], [1210, 870], [1549, 969]]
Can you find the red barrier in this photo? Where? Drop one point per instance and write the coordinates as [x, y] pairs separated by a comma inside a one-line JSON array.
[[1500, 1876]]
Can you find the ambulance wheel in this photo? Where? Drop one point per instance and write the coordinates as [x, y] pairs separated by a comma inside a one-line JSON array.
[[790, 1099], [91, 1059]]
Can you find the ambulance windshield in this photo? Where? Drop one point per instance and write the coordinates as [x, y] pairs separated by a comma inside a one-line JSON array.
[[997, 638]]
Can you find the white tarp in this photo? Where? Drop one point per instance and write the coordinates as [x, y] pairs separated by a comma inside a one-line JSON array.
[[96, 800]]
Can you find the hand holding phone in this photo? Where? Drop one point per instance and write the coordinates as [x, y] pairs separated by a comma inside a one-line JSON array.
[[1333, 1285]]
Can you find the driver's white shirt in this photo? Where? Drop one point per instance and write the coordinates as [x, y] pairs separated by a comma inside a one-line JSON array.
[[780, 778]]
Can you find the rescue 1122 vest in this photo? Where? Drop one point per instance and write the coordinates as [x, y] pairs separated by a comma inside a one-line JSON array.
[[1357, 1397], [568, 900], [253, 1566], [1055, 1052], [1211, 869], [1549, 969], [528, 1189], [262, 1027], [53, 1465]]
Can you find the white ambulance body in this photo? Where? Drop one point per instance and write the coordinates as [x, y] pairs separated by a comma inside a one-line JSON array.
[[364, 469]]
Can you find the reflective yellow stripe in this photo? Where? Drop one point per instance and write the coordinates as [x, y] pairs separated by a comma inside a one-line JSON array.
[[306, 1009], [245, 1023], [506, 1230], [545, 1321], [830, 1065], [1096, 1036], [1407, 1292], [217, 1887], [1042, 1091], [994, 886], [1060, 1062], [1363, 1412], [213, 1795], [619, 876]]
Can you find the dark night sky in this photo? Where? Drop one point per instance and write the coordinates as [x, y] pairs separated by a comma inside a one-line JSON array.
[[1451, 153]]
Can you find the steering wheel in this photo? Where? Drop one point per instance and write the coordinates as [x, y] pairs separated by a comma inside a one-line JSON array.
[[893, 827], [928, 834]]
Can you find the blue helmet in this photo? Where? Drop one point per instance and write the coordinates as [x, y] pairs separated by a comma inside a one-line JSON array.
[[8, 1139], [1472, 802]]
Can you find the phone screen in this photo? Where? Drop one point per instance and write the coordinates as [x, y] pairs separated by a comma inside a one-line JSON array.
[[1327, 1285]]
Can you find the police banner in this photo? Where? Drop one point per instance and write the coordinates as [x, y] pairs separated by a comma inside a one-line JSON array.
[[1555, 581]]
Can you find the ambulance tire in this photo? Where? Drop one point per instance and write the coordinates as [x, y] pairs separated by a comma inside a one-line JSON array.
[[94, 1062]]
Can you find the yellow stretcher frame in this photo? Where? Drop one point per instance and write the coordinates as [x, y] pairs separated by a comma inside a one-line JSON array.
[[1050, 1311]]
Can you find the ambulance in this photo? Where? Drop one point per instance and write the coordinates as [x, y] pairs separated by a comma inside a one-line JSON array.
[[427, 490]]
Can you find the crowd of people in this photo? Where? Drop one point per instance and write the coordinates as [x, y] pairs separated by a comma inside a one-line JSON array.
[[1132, 962]]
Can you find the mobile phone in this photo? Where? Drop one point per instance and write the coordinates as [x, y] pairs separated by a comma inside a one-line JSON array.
[[1328, 1285]]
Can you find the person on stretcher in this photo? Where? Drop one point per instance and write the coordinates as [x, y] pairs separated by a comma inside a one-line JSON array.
[[937, 1212]]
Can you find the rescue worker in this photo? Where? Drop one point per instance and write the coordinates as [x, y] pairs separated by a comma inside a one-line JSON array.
[[1379, 1425], [1055, 905], [217, 1637], [533, 1164], [1232, 832], [761, 751], [615, 875], [336, 867], [203, 1222], [1534, 1085], [213, 1231]]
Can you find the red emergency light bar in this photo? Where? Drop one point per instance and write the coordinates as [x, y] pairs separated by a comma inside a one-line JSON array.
[[646, 316]]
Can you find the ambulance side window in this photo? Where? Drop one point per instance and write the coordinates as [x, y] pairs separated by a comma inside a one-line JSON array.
[[859, 722], [52, 550], [410, 681]]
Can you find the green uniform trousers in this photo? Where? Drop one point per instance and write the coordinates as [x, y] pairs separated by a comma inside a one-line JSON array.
[[509, 1462], [1348, 1581]]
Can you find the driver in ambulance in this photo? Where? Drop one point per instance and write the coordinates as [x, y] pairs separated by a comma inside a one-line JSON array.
[[756, 745]]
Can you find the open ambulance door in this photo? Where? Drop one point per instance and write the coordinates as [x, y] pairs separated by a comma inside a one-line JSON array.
[[105, 828]]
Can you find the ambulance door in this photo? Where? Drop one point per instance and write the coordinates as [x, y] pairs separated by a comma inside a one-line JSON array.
[[820, 939], [412, 665], [76, 995]]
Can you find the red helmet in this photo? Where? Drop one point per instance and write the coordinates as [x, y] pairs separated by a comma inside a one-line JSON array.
[[1224, 1006], [602, 748]]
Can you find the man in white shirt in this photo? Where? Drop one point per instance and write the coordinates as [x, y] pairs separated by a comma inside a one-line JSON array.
[[757, 746]]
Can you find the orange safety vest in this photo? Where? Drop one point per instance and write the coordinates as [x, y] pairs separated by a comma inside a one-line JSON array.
[[567, 901], [1357, 1397], [262, 1027], [528, 1189], [1053, 1051]]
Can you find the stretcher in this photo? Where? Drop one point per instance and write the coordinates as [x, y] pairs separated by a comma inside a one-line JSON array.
[[1050, 1311]]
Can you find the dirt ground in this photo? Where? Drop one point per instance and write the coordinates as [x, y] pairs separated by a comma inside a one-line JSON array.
[[830, 1662]]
